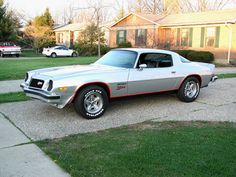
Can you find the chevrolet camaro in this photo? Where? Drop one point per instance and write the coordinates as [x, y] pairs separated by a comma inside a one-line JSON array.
[[119, 73]]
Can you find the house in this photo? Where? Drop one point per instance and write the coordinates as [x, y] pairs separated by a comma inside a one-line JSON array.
[[69, 34], [213, 31]]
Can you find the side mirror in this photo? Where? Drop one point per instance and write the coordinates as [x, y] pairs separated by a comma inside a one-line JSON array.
[[142, 66]]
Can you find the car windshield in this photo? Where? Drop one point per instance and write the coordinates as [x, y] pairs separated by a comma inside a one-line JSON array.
[[119, 58]]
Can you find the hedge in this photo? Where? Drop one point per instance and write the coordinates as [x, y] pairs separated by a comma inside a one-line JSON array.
[[200, 56], [125, 45], [89, 50]]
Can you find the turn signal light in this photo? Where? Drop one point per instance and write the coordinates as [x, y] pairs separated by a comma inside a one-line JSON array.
[[62, 89]]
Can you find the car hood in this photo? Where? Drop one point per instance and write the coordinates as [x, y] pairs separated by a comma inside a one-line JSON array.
[[70, 71]]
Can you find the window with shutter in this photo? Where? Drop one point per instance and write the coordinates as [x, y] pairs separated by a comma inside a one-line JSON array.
[[210, 37], [120, 36], [184, 37], [140, 37]]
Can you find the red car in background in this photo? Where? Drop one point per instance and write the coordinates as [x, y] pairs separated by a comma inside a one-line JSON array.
[[9, 48]]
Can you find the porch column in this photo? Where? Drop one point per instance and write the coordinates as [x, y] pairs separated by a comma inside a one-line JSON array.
[[230, 41]]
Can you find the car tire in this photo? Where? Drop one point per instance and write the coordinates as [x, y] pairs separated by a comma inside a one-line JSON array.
[[2, 55], [91, 102], [189, 90], [74, 54], [54, 55]]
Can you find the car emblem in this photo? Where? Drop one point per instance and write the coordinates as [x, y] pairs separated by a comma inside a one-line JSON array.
[[39, 83]]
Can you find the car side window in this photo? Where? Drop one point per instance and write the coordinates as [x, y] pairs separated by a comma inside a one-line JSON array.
[[155, 60]]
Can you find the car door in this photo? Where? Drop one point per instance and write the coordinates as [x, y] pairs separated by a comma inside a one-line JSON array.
[[159, 75], [65, 51], [58, 51]]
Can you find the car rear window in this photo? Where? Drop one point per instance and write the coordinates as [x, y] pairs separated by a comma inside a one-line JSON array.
[[184, 60]]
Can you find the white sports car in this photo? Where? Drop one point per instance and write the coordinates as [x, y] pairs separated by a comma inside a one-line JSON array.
[[59, 51], [119, 73]]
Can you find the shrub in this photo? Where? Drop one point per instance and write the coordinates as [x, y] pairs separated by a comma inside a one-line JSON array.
[[200, 56], [125, 45], [183, 53], [85, 49]]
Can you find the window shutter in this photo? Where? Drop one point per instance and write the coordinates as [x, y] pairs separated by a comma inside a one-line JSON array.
[[125, 35], [190, 37], [136, 36], [178, 37], [145, 37], [202, 36], [117, 37], [217, 37]]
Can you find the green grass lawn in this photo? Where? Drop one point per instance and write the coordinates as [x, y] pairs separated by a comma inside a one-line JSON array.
[[30, 53], [13, 97], [16, 69], [228, 75], [194, 149]]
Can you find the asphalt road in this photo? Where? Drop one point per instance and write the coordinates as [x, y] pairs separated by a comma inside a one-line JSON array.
[[41, 121]]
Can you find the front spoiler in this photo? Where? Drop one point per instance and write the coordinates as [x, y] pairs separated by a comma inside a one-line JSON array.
[[214, 78], [41, 95]]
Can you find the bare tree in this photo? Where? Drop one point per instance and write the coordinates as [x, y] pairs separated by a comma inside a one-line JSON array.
[[176, 6], [99, 15], [203, 5], [153, 6], [68, 14], [136, 6], [120, 8]]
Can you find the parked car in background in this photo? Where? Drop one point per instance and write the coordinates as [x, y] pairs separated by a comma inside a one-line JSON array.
[[119, 73], [9, 49], [59, 51]]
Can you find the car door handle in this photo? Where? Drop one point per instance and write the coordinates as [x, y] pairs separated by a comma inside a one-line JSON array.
[[173, 72]]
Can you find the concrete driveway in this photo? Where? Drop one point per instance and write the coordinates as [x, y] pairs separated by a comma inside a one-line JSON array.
[[41, 121]]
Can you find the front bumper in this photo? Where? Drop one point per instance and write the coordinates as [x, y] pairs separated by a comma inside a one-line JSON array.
[[214, 78], [11, 52], [41, 95]]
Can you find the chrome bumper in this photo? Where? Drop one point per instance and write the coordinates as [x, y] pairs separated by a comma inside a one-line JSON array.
[[214, 78], [40, 94]]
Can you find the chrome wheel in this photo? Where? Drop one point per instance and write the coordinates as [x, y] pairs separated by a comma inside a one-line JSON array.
[[93, 102], [191, 89], [74, 54], [53, 55]]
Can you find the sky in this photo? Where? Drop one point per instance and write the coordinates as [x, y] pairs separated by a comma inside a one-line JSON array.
[[32, 8]]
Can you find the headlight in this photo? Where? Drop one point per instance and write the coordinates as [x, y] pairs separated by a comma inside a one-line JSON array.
[[26, 77], [50, 85]]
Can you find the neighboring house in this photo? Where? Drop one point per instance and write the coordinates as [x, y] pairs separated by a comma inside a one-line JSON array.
[[69, 34], [213, 31]]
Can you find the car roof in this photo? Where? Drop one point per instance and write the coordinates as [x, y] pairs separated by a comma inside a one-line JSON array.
[[59, 46], [147, 50]]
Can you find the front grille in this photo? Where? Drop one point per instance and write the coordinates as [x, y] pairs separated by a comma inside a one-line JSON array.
[[37, 83]]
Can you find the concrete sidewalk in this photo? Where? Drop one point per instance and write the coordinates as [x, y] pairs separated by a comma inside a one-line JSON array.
[[225, 70], [18, 159], [10, 86], [14, 85]]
